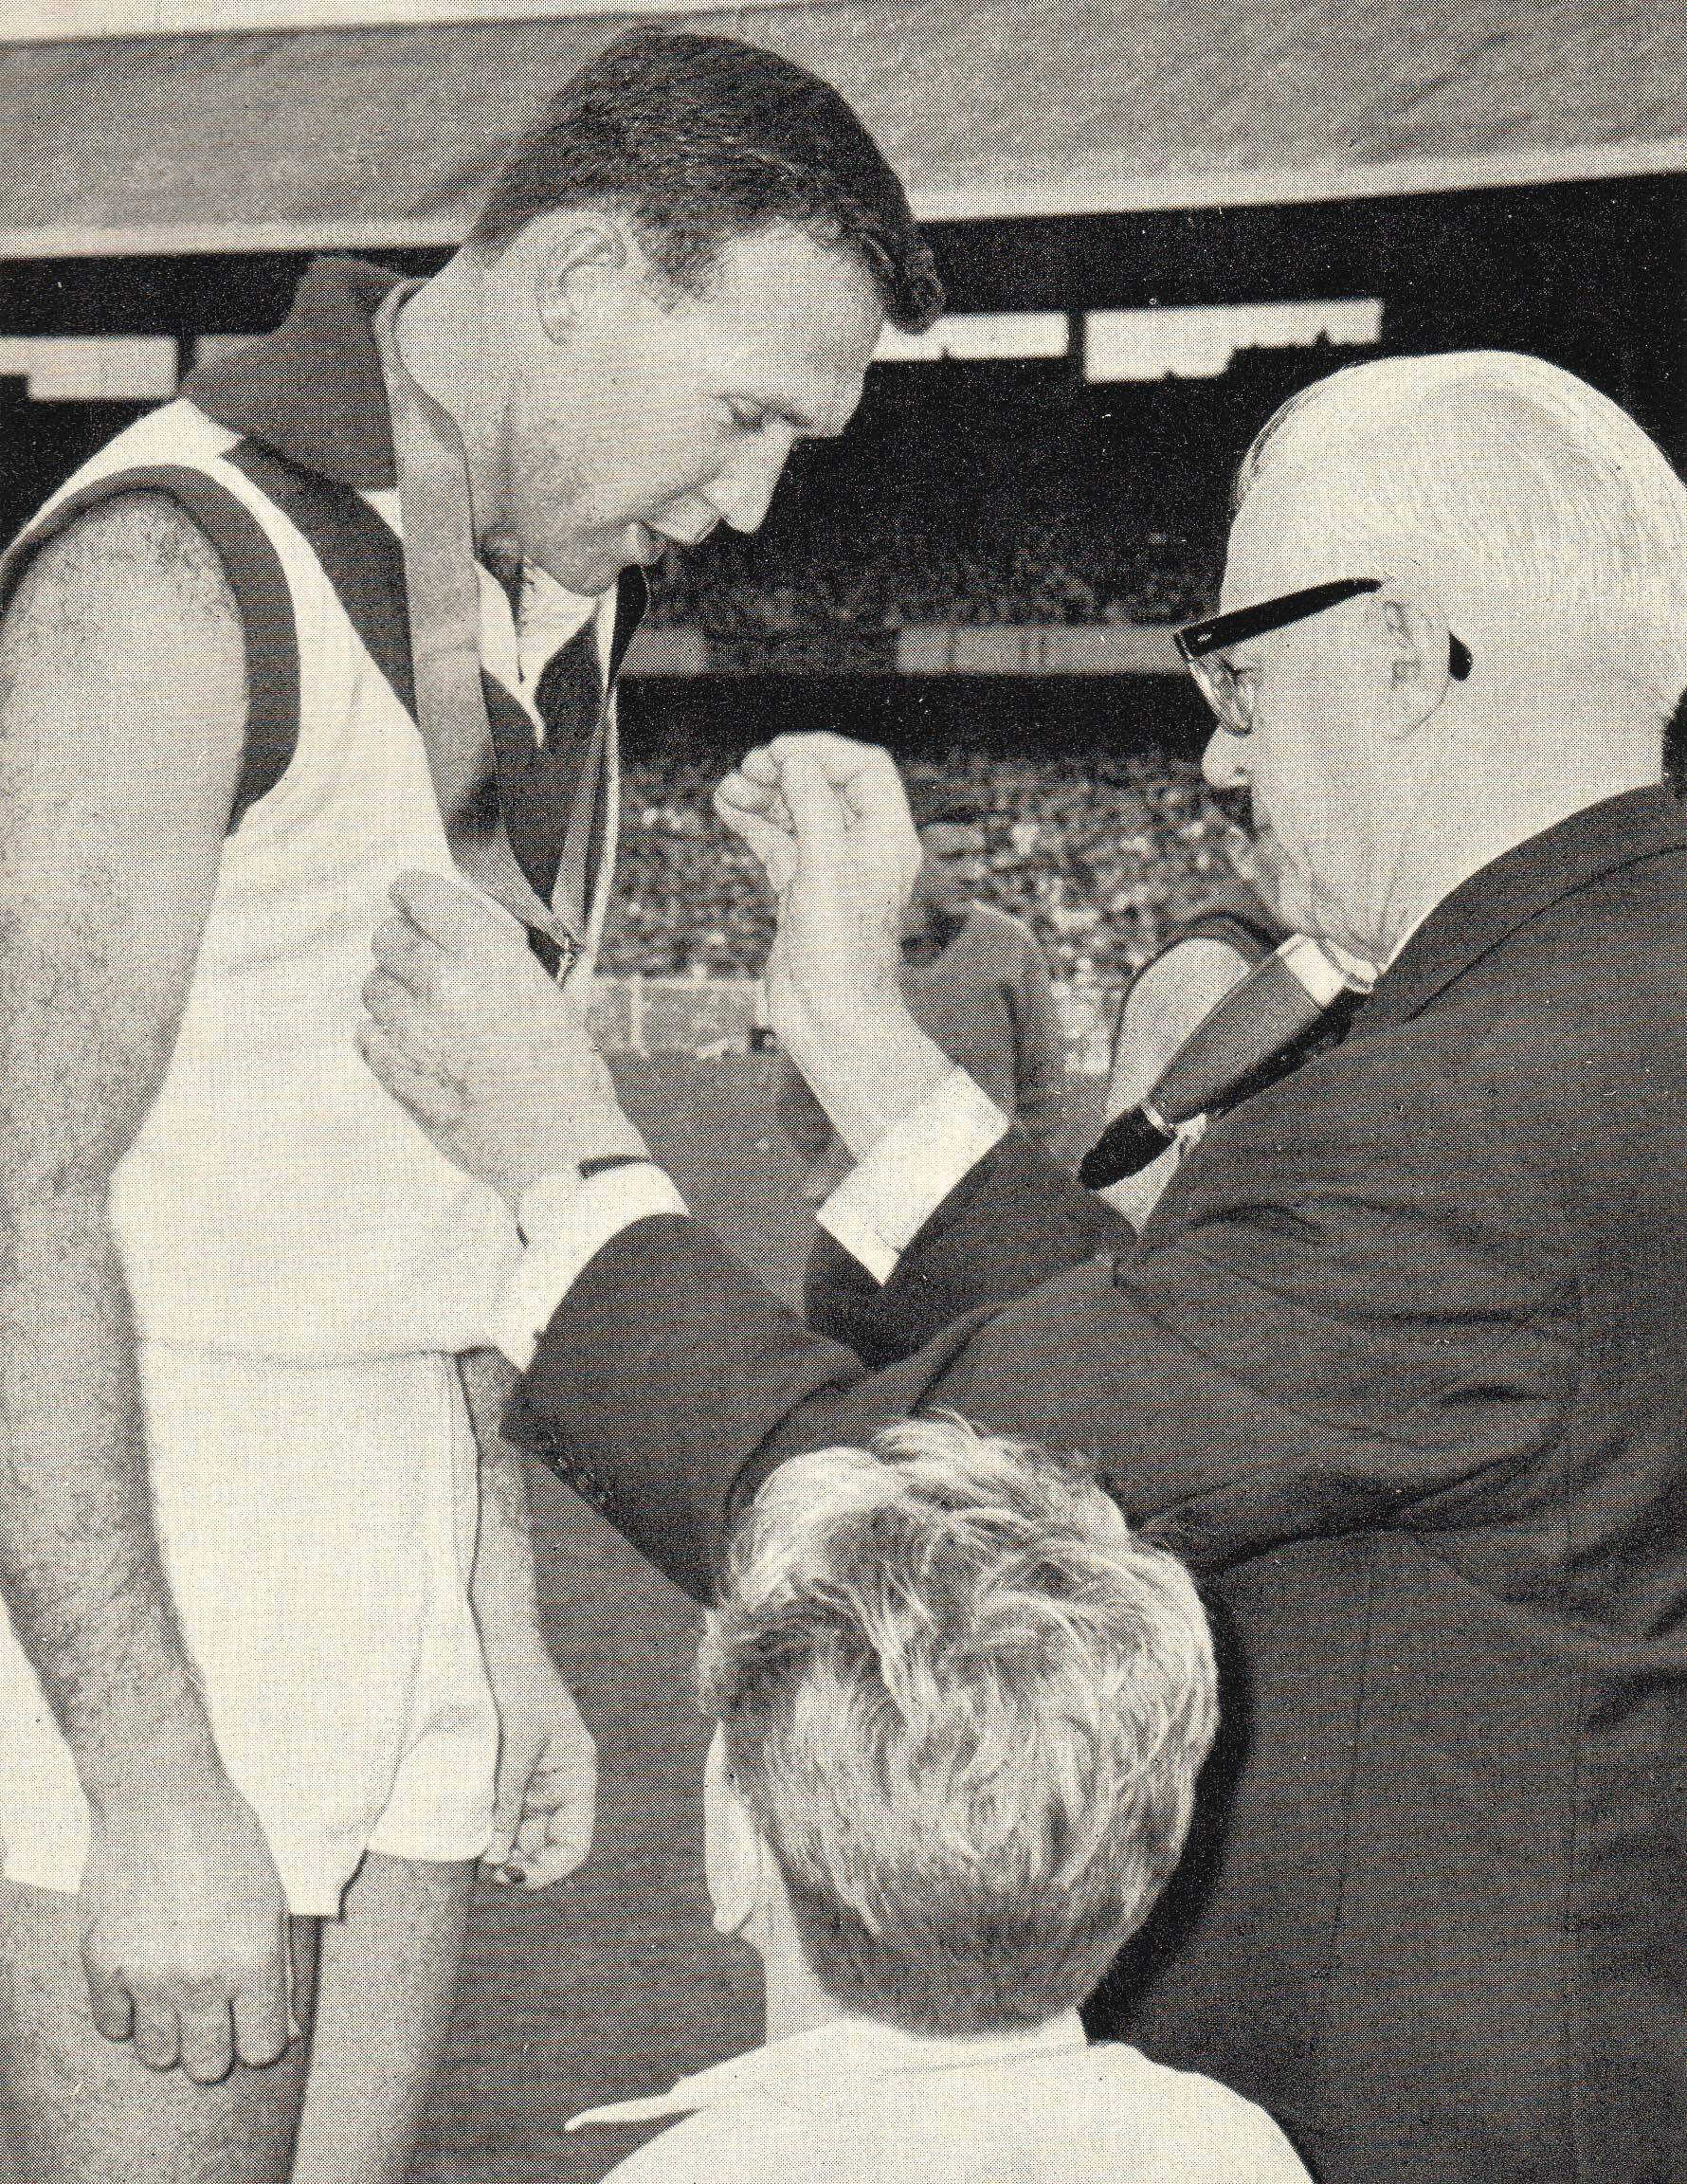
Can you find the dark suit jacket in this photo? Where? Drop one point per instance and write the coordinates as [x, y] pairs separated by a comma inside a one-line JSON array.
[[1399, 1362]]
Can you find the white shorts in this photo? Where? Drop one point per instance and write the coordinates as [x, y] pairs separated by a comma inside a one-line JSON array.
[[318, 1528]]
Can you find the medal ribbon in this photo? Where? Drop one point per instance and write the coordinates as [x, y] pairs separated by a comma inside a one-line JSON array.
[[442, 581]]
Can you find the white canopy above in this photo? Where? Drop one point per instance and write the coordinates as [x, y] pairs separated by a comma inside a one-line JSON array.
[[385, 137]]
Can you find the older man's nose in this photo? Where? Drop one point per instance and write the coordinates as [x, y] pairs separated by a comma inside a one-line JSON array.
[[1223, 762]]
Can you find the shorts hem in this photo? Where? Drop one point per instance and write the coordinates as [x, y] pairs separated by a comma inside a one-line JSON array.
[[436, 1848], [24, 1873], [308, 1893]]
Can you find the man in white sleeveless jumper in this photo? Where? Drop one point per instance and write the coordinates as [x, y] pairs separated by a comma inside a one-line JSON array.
[[243, 1700]]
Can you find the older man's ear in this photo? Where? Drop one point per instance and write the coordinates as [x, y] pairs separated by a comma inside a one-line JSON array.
[[1416, 649]]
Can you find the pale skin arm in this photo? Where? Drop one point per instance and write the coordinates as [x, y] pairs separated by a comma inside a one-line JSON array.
[[547, 1761], [123, 705]]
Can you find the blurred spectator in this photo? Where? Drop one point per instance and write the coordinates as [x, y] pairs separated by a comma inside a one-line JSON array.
[[978, 986]]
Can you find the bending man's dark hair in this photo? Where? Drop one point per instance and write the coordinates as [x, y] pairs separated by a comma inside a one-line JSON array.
[[698, 138]]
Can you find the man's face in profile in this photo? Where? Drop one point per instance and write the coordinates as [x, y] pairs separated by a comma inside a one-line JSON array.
[[659, 414], [1331, 800], [953, 870]]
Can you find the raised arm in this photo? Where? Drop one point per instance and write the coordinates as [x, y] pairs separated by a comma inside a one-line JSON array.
[[830, 822], [1224, 1380], [123, 707]]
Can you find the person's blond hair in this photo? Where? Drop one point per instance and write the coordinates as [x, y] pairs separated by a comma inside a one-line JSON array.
[[966, 1709]]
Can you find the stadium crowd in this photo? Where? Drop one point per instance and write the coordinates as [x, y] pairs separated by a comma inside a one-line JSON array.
[[738, 588], [1102, 859]]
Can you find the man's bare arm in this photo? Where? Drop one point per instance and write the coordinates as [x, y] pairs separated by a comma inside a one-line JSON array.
[[547, 1760], [123, 705]]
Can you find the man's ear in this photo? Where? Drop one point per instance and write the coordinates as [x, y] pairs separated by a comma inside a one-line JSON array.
[[735, 1855], [581, 254], [1414, 651], [741, 1875]]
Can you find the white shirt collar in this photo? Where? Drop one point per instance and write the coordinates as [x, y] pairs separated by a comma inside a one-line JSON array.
[[517, 646], [549, 616], [844, 2047]]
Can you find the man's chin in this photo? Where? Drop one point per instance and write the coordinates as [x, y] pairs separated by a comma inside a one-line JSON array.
[[588, 564], [1264, 874], [588, 577]]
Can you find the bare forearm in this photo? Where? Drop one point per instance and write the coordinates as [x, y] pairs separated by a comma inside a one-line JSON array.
[[107, 874], [503, 1588], [547, 1763], [79, 1566]]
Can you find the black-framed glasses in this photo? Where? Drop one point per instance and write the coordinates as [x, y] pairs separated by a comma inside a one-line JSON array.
[[1202, 645]]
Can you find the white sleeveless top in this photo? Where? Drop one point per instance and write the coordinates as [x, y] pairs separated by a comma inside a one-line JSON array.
[[276, 1202]]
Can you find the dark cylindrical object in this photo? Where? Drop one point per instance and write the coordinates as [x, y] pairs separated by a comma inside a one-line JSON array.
[[1277, 1004]]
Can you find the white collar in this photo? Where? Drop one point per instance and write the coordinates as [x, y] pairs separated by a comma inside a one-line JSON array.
[[517, 645], [842, 2048], [549, 616]]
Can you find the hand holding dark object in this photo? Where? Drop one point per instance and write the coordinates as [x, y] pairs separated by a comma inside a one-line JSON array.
[[546, 1771], [544, 1794], [468, 1032]]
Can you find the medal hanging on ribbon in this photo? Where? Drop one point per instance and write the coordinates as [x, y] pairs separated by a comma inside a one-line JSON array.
[[463, 756]]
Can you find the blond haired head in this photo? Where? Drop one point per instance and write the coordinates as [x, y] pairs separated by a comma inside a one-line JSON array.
[[966, 1708]]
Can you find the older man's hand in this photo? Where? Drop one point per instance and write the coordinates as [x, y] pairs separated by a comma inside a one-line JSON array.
[[493, 1059], [830, 822]]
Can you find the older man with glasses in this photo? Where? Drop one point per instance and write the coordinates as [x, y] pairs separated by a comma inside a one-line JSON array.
[[1398, 1359]]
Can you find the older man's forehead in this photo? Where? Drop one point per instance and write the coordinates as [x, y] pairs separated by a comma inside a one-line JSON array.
[[1299, 524]]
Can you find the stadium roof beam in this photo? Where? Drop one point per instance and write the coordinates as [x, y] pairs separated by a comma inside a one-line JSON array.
[[383, 137]]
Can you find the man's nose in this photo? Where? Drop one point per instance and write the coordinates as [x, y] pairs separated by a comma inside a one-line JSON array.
[[741, 492], [1224, 761]]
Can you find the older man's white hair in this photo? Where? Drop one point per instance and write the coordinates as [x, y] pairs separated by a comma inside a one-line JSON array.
[[966, 1709], [1502, 476]]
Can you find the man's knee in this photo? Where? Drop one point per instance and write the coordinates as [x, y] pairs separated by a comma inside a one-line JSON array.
[[79, 2108]]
